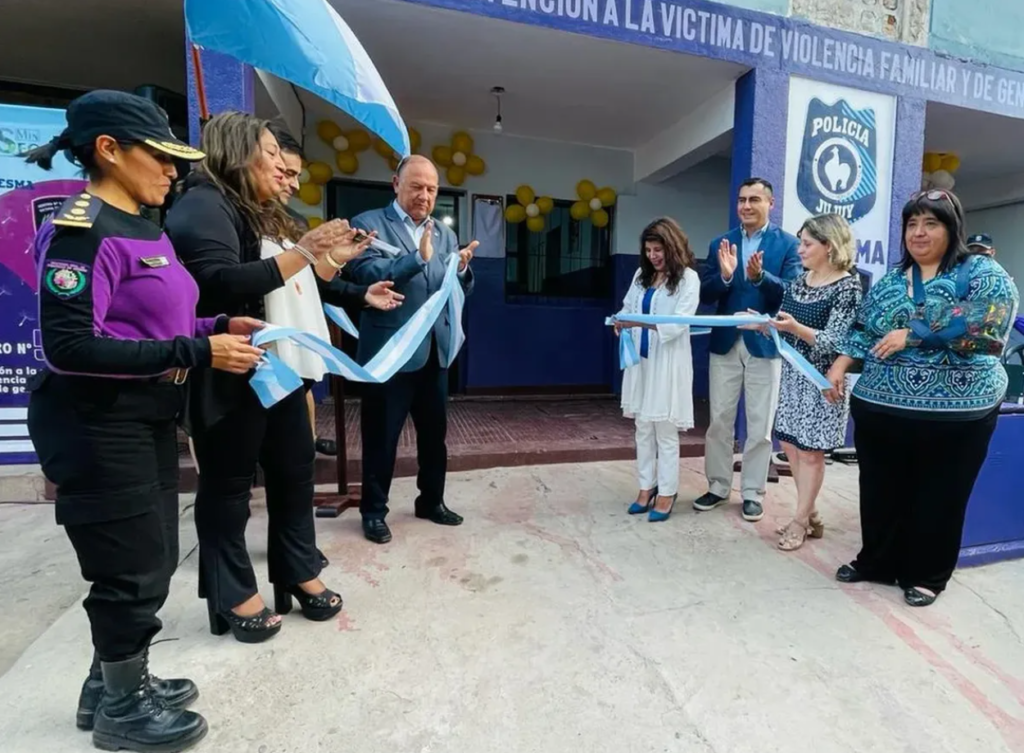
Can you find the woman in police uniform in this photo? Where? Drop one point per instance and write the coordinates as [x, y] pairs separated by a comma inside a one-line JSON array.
[[120, 335]]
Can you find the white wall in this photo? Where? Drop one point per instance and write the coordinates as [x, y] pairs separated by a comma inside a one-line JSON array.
[[698, 199], [1006, 226]]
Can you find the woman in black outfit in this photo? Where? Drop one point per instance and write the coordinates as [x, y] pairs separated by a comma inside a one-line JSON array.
[[230, 202]]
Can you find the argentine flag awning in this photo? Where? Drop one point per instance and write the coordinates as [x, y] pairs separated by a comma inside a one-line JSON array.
[[307, 43]]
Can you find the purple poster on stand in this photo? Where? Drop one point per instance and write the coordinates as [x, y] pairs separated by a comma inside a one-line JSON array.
[[28, 197]]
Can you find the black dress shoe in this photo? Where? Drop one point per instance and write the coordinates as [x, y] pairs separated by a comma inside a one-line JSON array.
[[440, 515], [327, 447], [916, 598], [376, 530]]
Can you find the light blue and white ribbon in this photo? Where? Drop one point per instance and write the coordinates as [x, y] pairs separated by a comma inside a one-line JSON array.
[[274, 379], [628, 356]]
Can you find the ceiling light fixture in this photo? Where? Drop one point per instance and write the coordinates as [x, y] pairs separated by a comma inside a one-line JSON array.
[[498, 91]]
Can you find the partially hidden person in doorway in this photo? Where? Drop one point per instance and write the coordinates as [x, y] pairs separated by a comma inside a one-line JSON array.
[[120, 340], [230, 203], [927, 340], [420, 388], [299, 302], [747, 269], [818, 309], [657, 393]]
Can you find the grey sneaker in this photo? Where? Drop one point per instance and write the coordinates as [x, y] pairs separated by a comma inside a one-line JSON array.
[[707, 502], [752, 511]]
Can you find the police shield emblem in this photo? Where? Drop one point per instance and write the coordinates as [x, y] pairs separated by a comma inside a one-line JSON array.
[[838, 160]]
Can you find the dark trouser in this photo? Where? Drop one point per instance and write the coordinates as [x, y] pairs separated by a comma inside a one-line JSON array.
[[423, 394], [916, 477], [110, 447], [280, 441]]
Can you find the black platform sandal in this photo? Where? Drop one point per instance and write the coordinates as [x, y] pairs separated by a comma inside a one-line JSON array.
[[252, 629], [316, 608]]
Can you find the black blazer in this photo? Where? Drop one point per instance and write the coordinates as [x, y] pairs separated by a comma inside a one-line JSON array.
[[216, 245]]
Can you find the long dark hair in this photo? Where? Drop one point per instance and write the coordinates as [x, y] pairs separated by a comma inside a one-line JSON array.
[[678, 256], [950, 212], [231, 141]]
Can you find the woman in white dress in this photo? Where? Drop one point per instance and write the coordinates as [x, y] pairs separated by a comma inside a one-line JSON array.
[[658, 391]]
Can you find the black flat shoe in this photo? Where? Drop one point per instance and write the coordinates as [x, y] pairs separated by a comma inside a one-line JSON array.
[[916, 598], [849, 574], [440, 515], [253, 629], [376, 530], [318, 607]]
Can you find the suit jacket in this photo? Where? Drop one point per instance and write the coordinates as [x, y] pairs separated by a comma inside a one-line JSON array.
[[781, 264], [413, 279]]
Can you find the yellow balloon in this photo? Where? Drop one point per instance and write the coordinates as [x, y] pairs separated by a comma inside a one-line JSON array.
[[358, 140], [545, 204], [607, 196], [381, 147], [415, 139], [949, 163], [393, 162], [328, 130], [600, 218], [456, 175], [932, 162], [525, 195], [515, 213], [315, 222], [475, 165], [462, 142], [442, 155], [580, 210], [348, 162], [586, 190], [310, 193], [535, 224], [319, 172]]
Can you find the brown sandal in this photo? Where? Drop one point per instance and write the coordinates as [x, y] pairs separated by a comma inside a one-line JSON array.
[[793, 536], [816, 527]]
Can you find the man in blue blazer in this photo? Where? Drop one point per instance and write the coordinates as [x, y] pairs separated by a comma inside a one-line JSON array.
[[746, 269], [420, 388]]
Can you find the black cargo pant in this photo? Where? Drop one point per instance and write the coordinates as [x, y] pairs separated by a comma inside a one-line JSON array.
[[280, 441], [110, 447]]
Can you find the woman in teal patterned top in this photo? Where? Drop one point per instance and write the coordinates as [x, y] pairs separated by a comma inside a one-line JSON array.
[[928, 338]]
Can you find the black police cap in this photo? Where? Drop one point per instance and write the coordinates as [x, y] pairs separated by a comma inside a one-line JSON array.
[[128, 118]]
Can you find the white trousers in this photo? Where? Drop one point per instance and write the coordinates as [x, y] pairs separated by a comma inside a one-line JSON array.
[[657, 456], [758, 379]]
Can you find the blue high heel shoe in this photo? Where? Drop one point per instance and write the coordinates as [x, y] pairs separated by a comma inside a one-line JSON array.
[[657, 517], [637, 509]]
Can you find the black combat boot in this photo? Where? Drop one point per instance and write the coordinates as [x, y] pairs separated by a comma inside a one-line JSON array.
[[130, 717], [175, 694]]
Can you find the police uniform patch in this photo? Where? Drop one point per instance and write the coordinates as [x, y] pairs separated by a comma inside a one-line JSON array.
[[66, 279], [81, 210], [838, 173]]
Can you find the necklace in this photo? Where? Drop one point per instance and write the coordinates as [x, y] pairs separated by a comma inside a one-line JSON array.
[[815, 283]]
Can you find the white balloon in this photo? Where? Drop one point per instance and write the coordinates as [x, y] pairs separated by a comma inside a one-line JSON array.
[[459, 159], [943, 179], [595, 204], [532, 210], [926, 181], [340, 144], [304, 176]]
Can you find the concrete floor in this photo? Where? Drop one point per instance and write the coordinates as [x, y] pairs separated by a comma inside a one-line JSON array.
[[553, 622]]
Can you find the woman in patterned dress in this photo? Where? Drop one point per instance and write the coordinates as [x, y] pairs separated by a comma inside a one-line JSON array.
[[928, 339], [817, 311]]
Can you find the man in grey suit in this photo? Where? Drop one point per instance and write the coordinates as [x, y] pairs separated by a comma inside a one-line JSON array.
[[420, 388]]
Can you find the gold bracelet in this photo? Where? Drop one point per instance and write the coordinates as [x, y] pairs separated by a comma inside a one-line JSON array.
[[330, 260]]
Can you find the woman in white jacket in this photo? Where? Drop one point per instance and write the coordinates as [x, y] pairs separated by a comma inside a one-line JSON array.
[[658, 391]]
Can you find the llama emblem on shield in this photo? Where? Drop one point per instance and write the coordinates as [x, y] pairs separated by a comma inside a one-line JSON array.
[[838, 160]]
